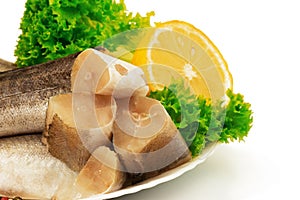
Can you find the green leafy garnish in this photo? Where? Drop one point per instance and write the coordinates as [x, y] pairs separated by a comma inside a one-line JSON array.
[[200, 121], [54, 29], [238, 119]]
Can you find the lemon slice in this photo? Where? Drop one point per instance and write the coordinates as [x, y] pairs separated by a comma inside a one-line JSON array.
[[177, 49]]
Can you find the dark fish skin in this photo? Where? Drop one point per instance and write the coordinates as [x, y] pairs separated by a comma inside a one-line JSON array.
[[24, 94]]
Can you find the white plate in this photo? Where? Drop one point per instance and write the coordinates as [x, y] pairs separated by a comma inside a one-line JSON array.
[[165, 177]]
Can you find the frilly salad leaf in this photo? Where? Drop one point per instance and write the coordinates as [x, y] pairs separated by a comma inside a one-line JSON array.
[[53, 29], [200, 121]]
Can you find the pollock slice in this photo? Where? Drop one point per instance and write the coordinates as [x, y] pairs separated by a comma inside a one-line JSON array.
[[101, 174], [97, 72], [76, 124], [25, 92], [146, 138]]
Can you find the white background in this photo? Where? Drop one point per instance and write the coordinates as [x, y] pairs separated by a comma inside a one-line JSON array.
[[260, 41]]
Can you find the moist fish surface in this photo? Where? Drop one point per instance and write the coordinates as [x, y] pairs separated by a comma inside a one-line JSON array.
[[27, 170], [101, 174], [146, 138], [72, 134], [24, 94]]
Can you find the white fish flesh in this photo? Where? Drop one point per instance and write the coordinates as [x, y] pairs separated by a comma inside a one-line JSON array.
[[28, 171]]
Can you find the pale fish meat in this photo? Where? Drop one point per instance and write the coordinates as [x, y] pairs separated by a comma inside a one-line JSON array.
[[24, 93], [146, 138], [28, 171], [71, 134]]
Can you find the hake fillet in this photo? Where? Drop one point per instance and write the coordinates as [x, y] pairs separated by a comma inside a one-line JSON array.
[[146, 138], [101, 174], [76, 124], [27, 170], [24, 93]]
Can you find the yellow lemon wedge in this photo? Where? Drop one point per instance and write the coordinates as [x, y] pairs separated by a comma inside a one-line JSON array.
[[176, 49]]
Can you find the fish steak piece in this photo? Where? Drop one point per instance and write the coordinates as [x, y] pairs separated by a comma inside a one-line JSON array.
[[76, 124], [100, 73], [24, 93], [146, 138], [101, 174]]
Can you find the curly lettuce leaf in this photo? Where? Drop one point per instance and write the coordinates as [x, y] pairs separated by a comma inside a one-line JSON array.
[[53, 29], [238, 119], [182, 106], [200, 121]]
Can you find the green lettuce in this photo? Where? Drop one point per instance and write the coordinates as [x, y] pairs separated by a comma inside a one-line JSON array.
[[200, 121], [54, 29]]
